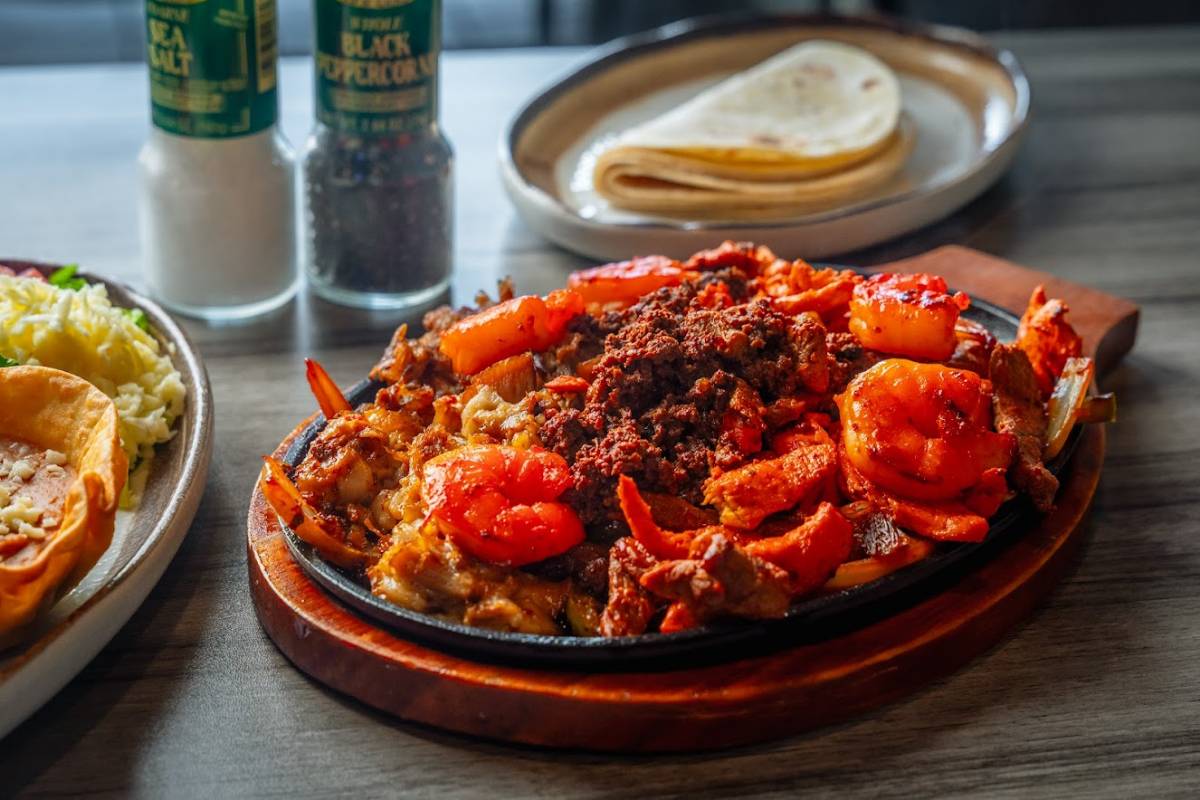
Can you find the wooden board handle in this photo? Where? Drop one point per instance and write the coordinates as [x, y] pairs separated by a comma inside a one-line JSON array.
[[1107, 324]]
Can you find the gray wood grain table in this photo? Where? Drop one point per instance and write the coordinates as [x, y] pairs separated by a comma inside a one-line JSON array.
[[1098, 695]]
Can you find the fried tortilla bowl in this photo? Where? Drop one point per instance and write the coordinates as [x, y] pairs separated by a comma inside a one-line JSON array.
[[54, 410]]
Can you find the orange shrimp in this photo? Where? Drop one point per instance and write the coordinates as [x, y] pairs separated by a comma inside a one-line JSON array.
[[508, 329], [923, 431], [624, 282], [348, 463], [906, 315], [499, 504], [562, 306], [1047, 338]]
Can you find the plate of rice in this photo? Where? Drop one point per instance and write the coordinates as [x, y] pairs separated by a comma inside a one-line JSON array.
[[133, 352]]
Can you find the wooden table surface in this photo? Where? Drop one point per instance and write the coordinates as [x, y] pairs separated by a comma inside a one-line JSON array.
[[1098, 695]]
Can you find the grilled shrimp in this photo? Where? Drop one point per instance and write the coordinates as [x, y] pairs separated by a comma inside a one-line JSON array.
[[509, 328], [328, 500], [499, 503], [922, 431], [906, 315]]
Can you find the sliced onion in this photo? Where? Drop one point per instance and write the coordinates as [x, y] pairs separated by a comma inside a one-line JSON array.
[[865, 570], [1101, 408], [1067, 403]]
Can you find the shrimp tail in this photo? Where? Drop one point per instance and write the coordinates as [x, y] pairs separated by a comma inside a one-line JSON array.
[[329, 396], [305, 521]]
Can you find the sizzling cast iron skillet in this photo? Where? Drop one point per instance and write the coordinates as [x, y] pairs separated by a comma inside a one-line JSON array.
[[808, 620]]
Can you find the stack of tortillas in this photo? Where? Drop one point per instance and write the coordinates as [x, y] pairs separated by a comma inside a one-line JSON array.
[[812, 126]]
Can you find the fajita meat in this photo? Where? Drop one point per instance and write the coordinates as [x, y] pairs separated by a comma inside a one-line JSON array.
[[1019, 410]]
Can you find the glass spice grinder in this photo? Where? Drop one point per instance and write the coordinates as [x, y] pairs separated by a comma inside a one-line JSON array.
[[377, 168]]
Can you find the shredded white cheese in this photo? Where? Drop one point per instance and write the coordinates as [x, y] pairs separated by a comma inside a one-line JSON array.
[[19, 515], [22, 469], [83, 333]]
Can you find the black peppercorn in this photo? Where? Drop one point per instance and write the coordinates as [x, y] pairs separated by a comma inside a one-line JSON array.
[[377, 170]]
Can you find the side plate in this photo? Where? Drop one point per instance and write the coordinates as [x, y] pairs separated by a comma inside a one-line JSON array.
[[74, 630], [968, 101]]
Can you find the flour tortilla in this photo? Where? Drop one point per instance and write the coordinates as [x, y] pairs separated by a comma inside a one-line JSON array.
[[677, 187], [815, 124]]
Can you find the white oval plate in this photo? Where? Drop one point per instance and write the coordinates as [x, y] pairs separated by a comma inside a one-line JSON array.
[[74, 630], [968, 101]]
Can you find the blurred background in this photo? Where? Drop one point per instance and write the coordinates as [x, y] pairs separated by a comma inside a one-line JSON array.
[[65, 31]]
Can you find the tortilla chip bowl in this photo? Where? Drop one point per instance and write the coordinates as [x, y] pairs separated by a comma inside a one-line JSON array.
[[53, 410]]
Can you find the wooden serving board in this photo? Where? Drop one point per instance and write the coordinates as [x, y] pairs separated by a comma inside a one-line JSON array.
[[732, 703]]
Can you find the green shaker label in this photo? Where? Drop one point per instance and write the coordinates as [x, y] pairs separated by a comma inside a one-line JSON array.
[[212, 66], [377, 64]]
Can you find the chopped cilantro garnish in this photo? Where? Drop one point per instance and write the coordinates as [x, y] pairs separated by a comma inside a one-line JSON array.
[[5, 361], [137, 317], [65, 278]]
